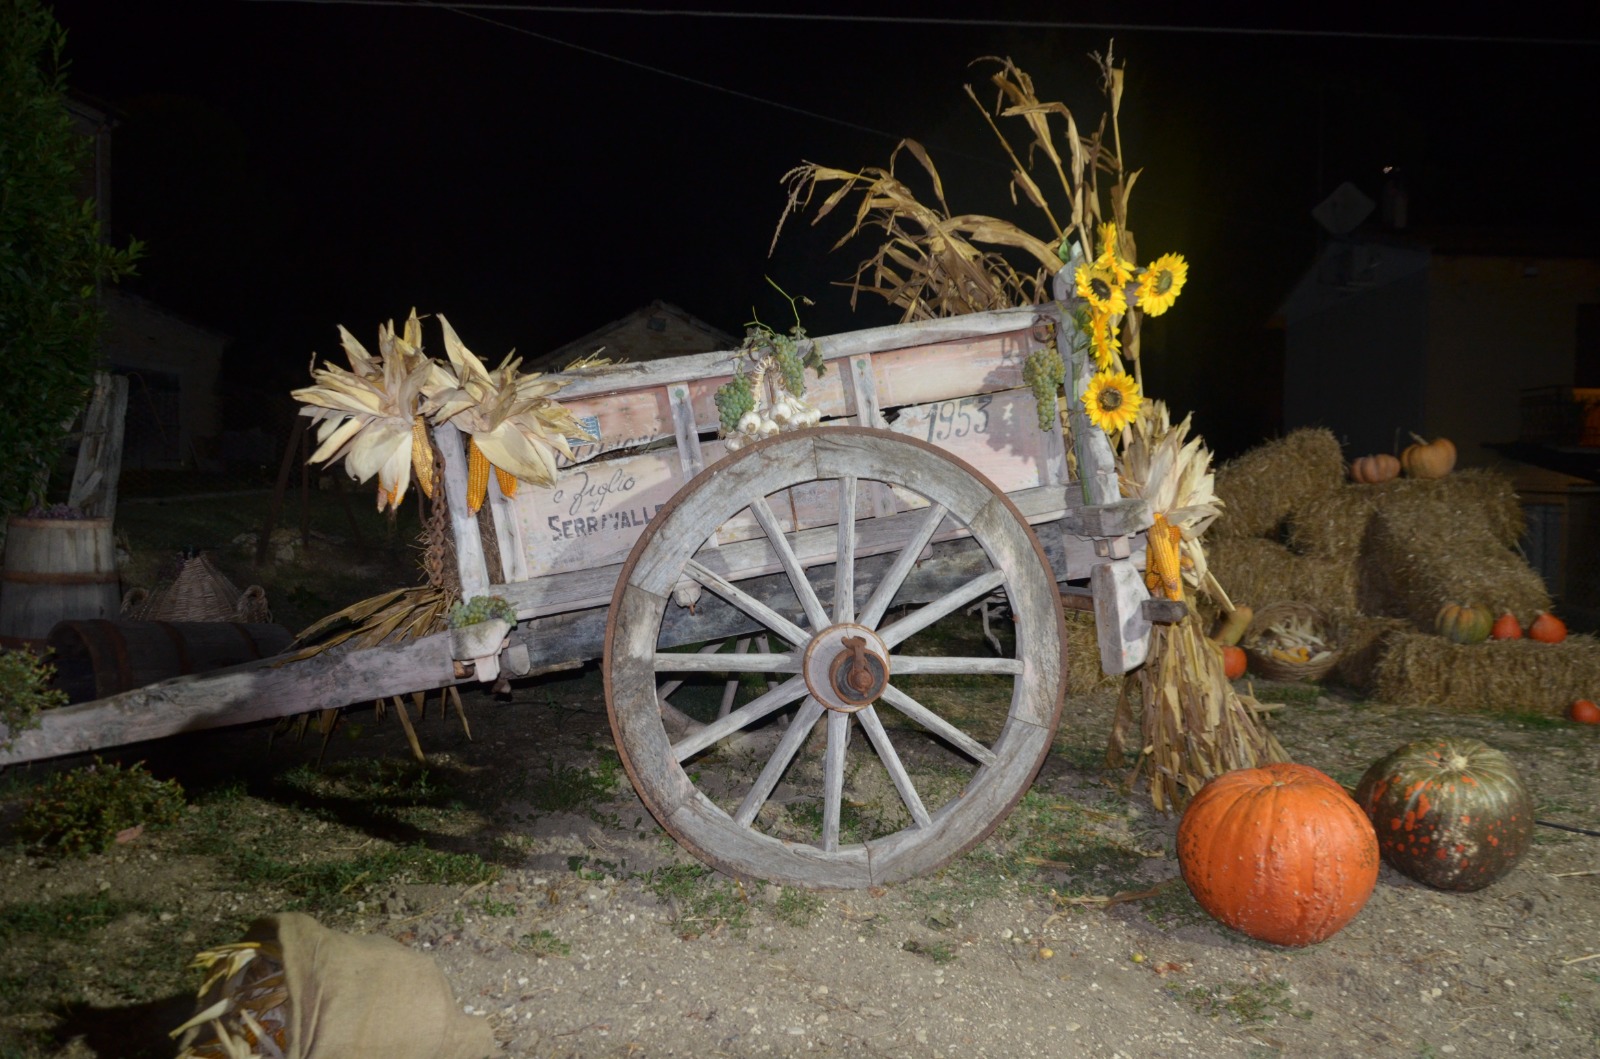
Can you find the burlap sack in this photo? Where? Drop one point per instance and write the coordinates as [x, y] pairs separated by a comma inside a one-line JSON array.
[[351, 996]]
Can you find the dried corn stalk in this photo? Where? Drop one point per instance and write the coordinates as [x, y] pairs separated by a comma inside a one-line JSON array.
[[931, 262], [1192, 724]]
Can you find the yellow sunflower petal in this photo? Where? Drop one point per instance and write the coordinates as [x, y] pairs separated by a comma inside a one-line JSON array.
[[1101, 288], [1112, 400], [1103, 339], [1161, 283]]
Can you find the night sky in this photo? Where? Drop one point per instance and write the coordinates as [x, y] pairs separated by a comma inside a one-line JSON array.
[[536, 174]]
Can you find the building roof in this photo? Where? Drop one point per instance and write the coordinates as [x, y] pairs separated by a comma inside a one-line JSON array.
[[657, 330]]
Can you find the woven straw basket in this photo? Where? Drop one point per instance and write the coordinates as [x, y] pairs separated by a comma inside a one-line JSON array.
[[1264, 664]]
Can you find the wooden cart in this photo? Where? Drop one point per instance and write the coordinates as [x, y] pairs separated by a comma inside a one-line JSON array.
[[835, 552]]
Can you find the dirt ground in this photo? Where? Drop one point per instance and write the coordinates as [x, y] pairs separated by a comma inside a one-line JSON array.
[[559, 911]]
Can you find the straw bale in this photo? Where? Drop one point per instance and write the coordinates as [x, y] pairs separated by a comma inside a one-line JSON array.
[[1262, 487], [1257, 572], [1506, 676], [1363, 640], [1084, 674], [1427, 548], [1334, 523]]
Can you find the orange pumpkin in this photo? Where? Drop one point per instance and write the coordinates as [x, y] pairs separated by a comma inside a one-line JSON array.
[[1370, 470], [1429, 459], [1584, 711], [1280, 853], [1234, 661], [1547, 628], [1506, 627]]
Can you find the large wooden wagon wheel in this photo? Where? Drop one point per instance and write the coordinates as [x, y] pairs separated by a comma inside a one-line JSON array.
[[800, 802]]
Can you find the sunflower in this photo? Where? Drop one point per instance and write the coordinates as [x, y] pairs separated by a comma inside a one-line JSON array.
[[1103, 339], [1109, 259], [1161, 283], [1101, 287], [1112, 400]]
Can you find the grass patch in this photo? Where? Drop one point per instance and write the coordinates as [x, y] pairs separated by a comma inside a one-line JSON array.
[[1255, 1004], [940, 952], [568, 788], [70, 917], [700, 904], [81, 811], [797, 907], [542, 943], [335, 885]]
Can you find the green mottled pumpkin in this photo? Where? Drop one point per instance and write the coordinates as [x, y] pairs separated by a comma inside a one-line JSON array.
[[1451, 813], [1464, 624]]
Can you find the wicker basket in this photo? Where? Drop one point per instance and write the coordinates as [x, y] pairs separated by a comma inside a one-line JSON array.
[[199, 592], [1264, 664]]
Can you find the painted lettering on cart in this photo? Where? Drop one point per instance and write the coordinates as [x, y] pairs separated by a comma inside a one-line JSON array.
[[588, 525], [948, 420], [584, 497]]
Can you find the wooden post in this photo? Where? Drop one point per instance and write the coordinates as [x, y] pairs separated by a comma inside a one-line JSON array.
[[99, 467], [296, 435]]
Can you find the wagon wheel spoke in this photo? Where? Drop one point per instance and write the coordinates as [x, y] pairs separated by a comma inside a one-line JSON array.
[[833, 778], [938, 725], [746, 602], [745, 715], [805, 719], [946, 604], [749, 662], [894, 766], [844, 571], [807, 595], [955, 666], [903, 562]]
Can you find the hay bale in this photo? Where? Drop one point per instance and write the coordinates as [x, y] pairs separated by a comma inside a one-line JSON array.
[[1257, 571], [1261, 487], [1363, 640], [1084, 674], [1425, 548], [1335, 523], [1503, 676]]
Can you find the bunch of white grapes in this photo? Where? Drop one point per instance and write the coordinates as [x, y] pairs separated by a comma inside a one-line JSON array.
[[480, 609]]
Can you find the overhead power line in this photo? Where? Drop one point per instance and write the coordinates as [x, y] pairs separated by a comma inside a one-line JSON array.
[[960, 23]]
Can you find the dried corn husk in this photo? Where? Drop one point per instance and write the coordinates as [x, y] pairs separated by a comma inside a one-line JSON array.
[[1192, 723]]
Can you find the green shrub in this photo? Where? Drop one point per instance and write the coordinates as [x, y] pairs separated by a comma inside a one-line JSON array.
[[82, 811], [24, 691]]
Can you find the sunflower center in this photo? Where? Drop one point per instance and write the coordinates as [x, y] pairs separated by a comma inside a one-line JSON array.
[[1102, 289], [1163, 281], [1110, 399]]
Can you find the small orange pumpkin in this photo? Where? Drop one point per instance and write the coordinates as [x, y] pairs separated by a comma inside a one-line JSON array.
[[1370, 470], [1506, 627], [1547, 628], [1429, 459], [1234, 661], [1584, 711], [1280, 853]]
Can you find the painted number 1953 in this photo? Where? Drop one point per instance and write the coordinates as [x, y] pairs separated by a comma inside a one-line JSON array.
[[958, 418]]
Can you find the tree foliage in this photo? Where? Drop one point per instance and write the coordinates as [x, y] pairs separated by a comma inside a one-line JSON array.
[[52, 257]]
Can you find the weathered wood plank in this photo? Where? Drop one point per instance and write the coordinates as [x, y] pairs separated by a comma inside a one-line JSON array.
[[470, 565], [256, 691], [99, 467]]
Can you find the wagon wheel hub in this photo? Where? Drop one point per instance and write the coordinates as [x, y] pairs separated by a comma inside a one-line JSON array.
[[846, 667]]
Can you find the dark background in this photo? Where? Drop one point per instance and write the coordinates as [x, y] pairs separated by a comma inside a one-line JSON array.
[[534, 175]]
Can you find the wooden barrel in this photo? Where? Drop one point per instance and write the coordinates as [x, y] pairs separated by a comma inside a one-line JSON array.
[[56, 569], [97, 658]]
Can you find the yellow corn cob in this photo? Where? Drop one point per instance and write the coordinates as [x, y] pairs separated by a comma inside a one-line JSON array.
[[1162, 568], [477, 476], [422, 456], [508, 482]]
